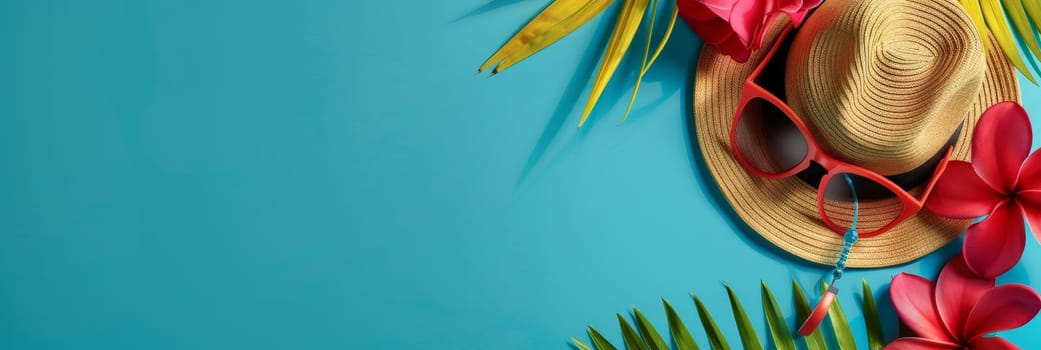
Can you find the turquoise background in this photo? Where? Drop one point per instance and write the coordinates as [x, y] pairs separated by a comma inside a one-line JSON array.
[[331, 175]]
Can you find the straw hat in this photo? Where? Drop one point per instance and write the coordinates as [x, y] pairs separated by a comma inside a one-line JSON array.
[[883, 84]]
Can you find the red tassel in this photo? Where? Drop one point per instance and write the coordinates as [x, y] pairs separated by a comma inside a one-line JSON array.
[[817, 316]]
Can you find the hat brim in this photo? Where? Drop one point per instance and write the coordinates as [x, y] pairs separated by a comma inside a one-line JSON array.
[[784, 211]]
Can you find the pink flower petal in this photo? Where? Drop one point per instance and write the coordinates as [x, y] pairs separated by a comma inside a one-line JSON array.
[[912, 297], [735, 49], [713, 31], [797, 10], [1030, 174], [1000, 144], [757, 37], [957, 291], [747, 18], [788, 5], [1030, 201], [736, 27], [724, 5], [694, 10], [809, 4], [961, 194], [992, 343], [1002, 308], [920, 344], [995, 244]]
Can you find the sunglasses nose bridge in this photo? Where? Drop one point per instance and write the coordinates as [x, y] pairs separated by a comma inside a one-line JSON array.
[[827, 163]]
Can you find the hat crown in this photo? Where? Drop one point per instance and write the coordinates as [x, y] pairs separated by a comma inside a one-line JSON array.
[[885, 83]]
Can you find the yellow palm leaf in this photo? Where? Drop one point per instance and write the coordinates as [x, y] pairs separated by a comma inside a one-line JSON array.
[[625, 29], [1033, 10], [1017, 14], [561, 18], [558, 20], [997, 24], [972, 7], [647, 63]]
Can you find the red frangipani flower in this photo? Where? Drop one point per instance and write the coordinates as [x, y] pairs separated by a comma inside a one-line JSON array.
[[736, 27], [1001, 182], [960, 310]]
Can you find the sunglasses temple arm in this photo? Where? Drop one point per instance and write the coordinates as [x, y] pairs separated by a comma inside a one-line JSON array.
[[940, 169]]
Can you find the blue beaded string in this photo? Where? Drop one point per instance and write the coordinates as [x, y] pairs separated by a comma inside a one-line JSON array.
[[851, 236]]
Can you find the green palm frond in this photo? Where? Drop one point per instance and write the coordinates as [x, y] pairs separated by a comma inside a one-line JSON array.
[[562, 17], [647, 331], [680, 335], [599, 340], [814, 341], [633, 341], [782, 335], [839, 325], [715, 336], [645, 337], [580, 344], [871, 320], [749, 340], [1014, 24]]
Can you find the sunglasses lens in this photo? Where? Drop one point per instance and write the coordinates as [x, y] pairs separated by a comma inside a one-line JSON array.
[[879, 206], [767, 139]]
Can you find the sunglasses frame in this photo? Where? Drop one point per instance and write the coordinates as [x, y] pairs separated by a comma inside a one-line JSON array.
[[834, 166]]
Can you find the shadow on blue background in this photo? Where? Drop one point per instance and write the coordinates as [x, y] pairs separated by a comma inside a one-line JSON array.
[[487, 7], [575, 89]]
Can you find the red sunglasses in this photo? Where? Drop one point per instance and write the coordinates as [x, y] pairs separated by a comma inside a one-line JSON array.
[[770, 140]]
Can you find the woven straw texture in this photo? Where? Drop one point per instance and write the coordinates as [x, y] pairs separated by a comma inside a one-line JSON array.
[[893, 117], [906, 87]]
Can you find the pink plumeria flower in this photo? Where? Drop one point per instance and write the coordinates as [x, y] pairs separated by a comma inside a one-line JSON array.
[[1002, 182], [960, 310]]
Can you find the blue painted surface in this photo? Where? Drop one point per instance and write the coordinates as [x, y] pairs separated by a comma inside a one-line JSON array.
[[331, 175]]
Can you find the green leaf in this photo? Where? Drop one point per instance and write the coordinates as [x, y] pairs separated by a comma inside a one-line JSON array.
[[599, 340], [632, 340], [744, 326], [625, 29], [839, 324], [715, 336], [648, 62], [994, 15], [814, 341], [558, 20], [779, 330], [651, 336], [680, 335], [580, 344], [871, 320]]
